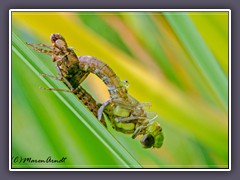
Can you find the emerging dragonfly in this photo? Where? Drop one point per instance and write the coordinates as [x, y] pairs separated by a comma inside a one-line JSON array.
[[125, 113]]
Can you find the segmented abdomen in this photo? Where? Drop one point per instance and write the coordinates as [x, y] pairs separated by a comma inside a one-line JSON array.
[[75, 77], [104, 72]]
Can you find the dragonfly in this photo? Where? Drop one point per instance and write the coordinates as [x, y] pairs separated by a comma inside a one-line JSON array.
[[125, 113]]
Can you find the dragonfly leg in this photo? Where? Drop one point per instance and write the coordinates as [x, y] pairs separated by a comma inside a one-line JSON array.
[[43, 45], [51, 76], [45, 51], [56, 89], [100, 110], [60, 79], [131, 118], [102, 120], [138, 131]]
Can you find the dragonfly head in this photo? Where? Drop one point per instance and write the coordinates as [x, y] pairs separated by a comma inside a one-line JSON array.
[[55, 37], [153, 136], [61, 51], [58, 42]]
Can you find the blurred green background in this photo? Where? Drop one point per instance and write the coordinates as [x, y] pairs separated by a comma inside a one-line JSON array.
[[178, 61]]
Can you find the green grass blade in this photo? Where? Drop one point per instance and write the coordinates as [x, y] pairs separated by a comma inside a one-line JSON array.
[[84, 115], [200, 53]]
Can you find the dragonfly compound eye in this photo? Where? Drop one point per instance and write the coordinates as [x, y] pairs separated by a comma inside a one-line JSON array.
[[147, 140], [55, 37]]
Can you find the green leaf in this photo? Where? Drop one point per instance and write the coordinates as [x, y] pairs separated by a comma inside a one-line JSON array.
[[200, 53]]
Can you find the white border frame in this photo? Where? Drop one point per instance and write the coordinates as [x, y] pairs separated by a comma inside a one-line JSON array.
[[121, 10]]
